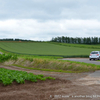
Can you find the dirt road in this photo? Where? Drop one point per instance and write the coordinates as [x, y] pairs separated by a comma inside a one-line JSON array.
[[67, 86]]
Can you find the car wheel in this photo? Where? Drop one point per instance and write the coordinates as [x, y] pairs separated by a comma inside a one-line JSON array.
[[96, 59], [89, 59]]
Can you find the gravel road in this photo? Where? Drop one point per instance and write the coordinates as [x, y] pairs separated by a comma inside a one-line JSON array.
[[85, 60]]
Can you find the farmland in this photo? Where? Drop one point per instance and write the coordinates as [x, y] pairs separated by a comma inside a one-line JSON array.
[[28, 59], [22, 71], [8, 76], [42, 48], [64, 84]]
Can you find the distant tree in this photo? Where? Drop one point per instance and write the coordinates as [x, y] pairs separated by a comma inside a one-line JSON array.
[[59, 39], [84, 40], [99, 40], [68, 40], [63, 39], [78, 40]]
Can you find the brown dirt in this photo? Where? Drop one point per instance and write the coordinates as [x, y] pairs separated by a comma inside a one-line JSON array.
[[67, 86]]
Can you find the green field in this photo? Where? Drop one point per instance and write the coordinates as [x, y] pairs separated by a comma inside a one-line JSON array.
[[47, 63], [42, 48]]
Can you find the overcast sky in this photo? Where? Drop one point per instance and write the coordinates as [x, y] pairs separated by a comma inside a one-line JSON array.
[[44, 19]]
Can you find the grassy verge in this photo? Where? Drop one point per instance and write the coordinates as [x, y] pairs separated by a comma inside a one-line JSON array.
[[49, 70], [53, 65], [47, 64]]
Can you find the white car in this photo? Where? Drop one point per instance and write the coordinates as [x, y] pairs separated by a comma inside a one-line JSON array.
[[95, 55]]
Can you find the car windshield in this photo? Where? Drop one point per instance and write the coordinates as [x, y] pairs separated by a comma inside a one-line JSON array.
[[94, 52]]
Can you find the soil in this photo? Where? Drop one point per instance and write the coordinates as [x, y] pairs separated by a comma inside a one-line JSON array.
[[66, 86]]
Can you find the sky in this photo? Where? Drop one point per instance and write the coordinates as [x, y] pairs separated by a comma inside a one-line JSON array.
[[41, 20]]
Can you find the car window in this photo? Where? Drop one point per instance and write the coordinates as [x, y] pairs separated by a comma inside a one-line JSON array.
[[94, 52]]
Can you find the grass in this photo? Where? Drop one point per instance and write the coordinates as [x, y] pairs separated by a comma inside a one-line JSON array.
[[96, 46], [41, 60], [53, 65], [46, 49]]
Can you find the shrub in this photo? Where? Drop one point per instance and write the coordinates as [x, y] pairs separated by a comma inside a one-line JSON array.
[[4, 57]]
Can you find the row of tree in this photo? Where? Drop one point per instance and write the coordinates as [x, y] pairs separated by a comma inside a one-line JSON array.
[[8, 39], [77, 40]]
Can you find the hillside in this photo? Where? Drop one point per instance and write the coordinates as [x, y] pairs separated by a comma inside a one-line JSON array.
[[43, 48]]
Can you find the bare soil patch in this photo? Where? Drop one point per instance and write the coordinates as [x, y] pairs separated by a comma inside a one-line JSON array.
[[67, 86]]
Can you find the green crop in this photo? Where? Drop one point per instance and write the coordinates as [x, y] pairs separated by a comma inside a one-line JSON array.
[[5, 57], [48, 49], [9, 76]]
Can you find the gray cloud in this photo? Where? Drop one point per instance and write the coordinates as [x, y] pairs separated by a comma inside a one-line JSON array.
[[52, 9], [44, 19], [34, 29]]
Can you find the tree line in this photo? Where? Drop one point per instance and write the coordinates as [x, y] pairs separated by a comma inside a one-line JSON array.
[[63, 39], [7, 39], [77, 40]]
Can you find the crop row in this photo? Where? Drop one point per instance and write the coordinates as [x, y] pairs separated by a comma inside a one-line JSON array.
[[9, 76], [45, 49]]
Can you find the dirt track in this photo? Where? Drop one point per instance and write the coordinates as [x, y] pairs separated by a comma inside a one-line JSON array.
[[67, 86]]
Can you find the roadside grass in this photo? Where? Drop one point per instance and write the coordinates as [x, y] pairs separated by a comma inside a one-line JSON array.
[[53, 65]]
